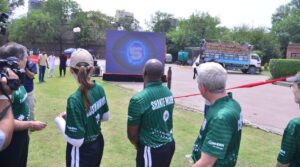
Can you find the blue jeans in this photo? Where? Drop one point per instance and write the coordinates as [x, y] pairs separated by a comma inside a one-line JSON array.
[[42, 73]]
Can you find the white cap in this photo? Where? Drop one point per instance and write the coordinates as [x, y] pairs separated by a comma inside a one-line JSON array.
[[81, 57]]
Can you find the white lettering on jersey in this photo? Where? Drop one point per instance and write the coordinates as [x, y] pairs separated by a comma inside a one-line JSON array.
[[282, 152], [96, 106], [219, 146], [162, 102], [72, 129]]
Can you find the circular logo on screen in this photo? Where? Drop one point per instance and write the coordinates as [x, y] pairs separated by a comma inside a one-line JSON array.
[[135, 52], [166, 115]]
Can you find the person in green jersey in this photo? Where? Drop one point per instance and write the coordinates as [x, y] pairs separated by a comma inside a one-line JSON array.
[[150, 119], [289, 155], [218, 141], [86, 109], [16, 153]]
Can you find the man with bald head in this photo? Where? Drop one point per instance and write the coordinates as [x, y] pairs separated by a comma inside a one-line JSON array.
[[150, 119]]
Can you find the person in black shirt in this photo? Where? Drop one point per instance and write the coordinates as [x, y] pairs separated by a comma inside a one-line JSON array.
[[63, 64]]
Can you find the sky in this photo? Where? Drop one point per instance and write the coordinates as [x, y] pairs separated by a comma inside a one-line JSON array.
[[254, 13]]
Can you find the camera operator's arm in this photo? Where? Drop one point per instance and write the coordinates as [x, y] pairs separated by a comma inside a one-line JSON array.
[[29, 73], [6, 124]]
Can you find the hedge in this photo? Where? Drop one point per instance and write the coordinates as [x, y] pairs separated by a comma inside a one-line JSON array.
[[284, 67]]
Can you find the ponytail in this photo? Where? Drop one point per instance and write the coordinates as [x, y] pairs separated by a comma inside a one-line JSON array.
[[83, 74]]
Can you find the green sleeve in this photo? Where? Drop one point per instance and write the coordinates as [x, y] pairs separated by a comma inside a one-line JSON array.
[[288, 144], [75, 120], [218, 138], [134, 112]]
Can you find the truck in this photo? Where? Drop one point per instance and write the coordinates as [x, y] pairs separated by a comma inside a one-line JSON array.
[[231, 57]]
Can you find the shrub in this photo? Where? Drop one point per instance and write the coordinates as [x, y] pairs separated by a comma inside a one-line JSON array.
[[284, 67], [266, 66]]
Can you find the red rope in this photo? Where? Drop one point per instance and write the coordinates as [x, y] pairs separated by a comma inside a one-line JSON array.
[[250, 85]]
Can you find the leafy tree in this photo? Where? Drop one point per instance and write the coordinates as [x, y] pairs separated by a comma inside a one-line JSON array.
[[31, 29], [162, 22]]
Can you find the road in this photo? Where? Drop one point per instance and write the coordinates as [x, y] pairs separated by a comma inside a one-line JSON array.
[[268, 107]]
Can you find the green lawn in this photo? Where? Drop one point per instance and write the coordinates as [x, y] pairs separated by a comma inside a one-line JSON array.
[[47, 147]]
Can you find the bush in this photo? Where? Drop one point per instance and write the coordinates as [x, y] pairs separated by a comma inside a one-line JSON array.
[[266, 66], [284, 67]]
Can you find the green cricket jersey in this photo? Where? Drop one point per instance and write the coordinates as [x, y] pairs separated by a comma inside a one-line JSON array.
[[290, 145], [220, 133], [151, 109], [20, 105], [80, 123]]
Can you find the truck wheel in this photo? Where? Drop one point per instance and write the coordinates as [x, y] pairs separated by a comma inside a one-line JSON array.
[[244, 71], [252, 70]]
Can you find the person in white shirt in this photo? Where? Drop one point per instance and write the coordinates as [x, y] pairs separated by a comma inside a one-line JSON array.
[[51, 63]]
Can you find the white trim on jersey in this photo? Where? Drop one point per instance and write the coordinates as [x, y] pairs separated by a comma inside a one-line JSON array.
[[105, 116], [61, 124], [75, 157], [147, 157]]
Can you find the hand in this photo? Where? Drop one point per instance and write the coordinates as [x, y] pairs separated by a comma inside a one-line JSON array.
[[63, 115], [37, 125], [3, 81]]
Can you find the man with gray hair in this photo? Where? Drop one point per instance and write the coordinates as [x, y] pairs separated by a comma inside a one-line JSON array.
[[219, 138]]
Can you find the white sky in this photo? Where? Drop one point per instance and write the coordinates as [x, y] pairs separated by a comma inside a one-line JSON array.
[[232, 13], [254, 13]]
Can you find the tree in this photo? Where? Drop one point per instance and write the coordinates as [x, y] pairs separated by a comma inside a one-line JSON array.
[[31, 29], [286, 23], [61, 12], [162, 22]]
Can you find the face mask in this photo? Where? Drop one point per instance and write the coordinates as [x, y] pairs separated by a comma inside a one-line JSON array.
[[76, 79]]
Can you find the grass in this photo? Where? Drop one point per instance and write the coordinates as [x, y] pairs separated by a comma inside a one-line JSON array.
[[47, 147]]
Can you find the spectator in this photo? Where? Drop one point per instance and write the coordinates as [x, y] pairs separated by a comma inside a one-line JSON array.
[[289, 154], [43, 63], [62, 64], [86, 109], [15, 155], [30, 71], [51, 63], [150, 119], [218, 141]]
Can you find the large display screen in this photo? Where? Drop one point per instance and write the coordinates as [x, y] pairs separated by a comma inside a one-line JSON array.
[[127, 52]]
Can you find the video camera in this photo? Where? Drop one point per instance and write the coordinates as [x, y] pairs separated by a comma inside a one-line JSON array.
[[12, 63]]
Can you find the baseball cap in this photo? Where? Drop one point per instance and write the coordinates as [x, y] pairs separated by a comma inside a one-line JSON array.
[[294, 78], [81, 57]]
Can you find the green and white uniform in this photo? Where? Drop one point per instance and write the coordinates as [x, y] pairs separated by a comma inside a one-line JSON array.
[[152, 110], [17, 152], [80, 123], [290, 145], [20, 104], [220, 133]]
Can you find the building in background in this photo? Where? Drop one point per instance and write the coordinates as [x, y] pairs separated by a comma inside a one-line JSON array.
[[35, 4], [293, 51]]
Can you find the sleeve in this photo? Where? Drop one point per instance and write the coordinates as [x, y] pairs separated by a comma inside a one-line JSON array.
[[33, 68], [134, 113], [2, 139], [74, 123], [218, 138], [288, 144]]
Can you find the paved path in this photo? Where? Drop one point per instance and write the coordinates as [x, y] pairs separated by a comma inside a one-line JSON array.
[[270, 107]]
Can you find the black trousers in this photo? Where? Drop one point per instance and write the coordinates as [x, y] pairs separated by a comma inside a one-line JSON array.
[[155, 157], [62, 69], [15, 155], [87, 155]]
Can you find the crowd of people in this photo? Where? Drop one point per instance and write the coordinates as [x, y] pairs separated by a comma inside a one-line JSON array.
[[150, 115]]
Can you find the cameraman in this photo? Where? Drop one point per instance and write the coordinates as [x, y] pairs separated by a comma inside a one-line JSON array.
[[15, 155], [7, 120]]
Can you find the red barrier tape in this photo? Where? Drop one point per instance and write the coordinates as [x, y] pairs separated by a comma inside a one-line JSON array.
[[241, 86]]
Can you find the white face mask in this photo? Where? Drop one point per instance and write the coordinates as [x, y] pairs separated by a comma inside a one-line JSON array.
[[76, 79]]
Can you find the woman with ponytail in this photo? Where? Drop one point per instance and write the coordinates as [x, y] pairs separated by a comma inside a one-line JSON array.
[[86, 109]]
